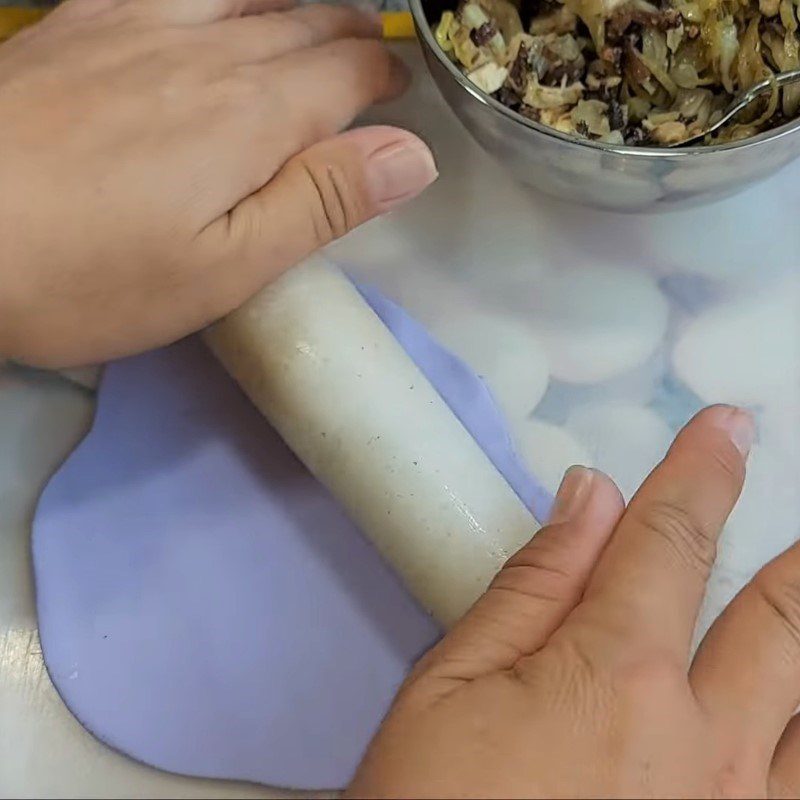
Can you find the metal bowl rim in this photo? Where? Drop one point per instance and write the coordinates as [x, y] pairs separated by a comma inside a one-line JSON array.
[[424, 30]]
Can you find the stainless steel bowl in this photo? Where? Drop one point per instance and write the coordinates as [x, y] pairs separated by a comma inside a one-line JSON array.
[[628, 179]]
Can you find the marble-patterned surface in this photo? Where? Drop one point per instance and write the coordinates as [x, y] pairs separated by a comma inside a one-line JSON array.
[[44, 752], [602, 334], [627, 326]]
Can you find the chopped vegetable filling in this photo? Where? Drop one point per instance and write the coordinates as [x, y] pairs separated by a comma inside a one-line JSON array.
[[627, 71]]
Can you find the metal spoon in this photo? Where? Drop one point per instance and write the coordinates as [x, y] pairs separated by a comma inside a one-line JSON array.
[[741, 102]]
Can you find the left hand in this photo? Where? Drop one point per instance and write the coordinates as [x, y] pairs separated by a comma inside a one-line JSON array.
[[162, 160]]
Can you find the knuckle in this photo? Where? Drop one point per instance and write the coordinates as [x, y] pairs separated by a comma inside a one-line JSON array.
[[576, 655], [140, 12], [342, 17], [385, 66], [728, 461], [736, 776], [72, 7], [370, 55], [78, 7], [690, 541], [179, 76], [646, 670], [236, 91], [371, 71], [336, 204], [359, 48], [542, 569], [575, 676], [308, 30], [302, 30], [782, 599], [646, 676]]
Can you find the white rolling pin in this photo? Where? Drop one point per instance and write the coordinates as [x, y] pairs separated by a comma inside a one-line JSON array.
[[330, 377]]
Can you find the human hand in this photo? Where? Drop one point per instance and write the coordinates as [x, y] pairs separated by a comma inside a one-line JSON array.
[[162, 160], [571, 676]]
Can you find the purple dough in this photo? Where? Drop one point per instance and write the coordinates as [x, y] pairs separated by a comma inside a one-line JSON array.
[[204, 604], [467, 396]]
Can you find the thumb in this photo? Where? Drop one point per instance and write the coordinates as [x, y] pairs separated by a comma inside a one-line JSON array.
[[319, 195], [536, 590]]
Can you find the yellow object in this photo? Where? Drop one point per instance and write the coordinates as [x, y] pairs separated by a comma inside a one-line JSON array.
[[14, 19], [398, 25]]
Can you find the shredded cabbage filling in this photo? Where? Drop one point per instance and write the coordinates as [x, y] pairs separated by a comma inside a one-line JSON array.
[[627, 71]]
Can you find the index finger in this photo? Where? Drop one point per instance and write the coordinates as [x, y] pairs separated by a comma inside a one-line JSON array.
[[253, 39], [649, 584], [322, 89], [269, 112]]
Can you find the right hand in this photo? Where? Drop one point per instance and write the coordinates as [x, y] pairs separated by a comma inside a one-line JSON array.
[[162, 160], [572, 676]]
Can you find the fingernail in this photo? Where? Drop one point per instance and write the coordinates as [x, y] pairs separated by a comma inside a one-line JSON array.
[[740, 426], [400, 171], [572, 495]]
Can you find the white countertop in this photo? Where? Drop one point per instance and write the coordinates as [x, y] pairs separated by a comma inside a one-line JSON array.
[[613, 330]]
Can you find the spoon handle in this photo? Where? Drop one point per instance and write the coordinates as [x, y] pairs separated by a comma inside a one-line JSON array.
[[742, 101]]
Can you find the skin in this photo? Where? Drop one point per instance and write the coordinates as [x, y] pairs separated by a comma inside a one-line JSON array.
[[162, 160], [572, 676]]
